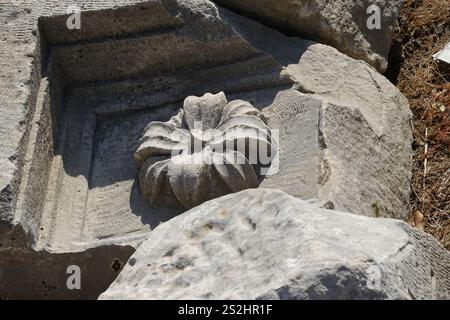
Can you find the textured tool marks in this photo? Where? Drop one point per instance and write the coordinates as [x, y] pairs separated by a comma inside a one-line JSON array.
[[114, 206], [296, 117]]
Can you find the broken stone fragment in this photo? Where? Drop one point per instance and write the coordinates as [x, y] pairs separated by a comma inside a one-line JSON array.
[[265, 244], [443, 56], [361, 29]]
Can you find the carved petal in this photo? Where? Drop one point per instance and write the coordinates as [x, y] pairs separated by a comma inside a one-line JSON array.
[[153, 179], [235, 171], [161, 138], [177, 119], [238, 108], [188, 178], [206, 110], [246, 134], [243, 121]]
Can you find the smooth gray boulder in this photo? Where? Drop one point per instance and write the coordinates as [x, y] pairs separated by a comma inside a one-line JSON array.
[[265, 244], [340, 23]]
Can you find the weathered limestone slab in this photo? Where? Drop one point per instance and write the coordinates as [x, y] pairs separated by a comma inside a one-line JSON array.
[[347, 103], [74, 116], [24, 272], [339, 23], [265, 244]]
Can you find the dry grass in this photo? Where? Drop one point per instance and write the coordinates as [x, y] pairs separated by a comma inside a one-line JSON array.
[[424, 30]]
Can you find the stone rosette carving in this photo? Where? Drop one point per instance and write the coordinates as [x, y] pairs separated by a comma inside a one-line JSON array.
[[209, 149]]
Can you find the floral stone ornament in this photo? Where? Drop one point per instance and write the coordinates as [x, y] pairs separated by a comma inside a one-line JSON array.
[[209, 149]]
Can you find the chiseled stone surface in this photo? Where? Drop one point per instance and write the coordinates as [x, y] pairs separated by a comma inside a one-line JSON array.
[[345, 136], [340, 23], [265, 244], [68, 135], [20, 75]]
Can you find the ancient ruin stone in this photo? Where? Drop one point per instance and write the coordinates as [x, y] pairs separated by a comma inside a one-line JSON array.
[[74, 104], [265, 244], [362, 29], [209, 149], [78, 106]]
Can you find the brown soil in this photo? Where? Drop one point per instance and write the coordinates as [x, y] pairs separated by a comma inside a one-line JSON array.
[[424, 30]]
